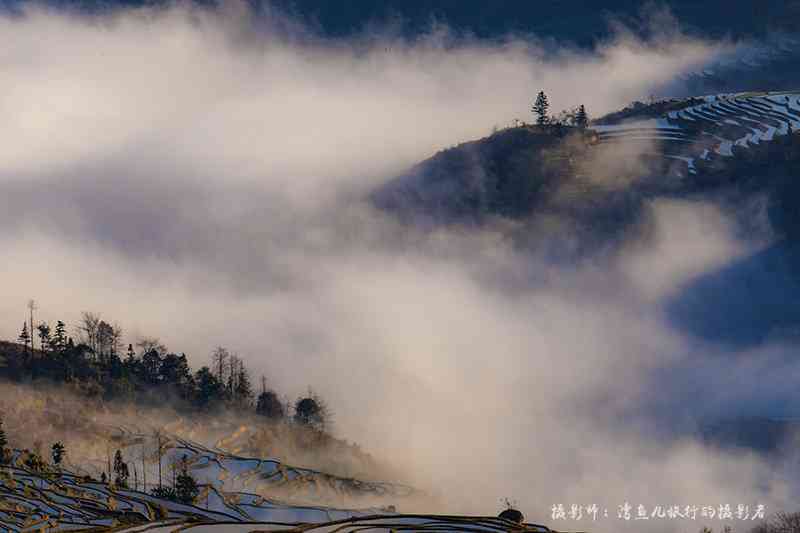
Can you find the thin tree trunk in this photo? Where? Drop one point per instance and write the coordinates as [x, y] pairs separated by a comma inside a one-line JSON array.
[[159, 460]]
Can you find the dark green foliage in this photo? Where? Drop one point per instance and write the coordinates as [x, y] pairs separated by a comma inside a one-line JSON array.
[[164, 492], [186, 489], [540, 109], [208, 388], [58, 451], [44, 336], [59, 340], [150, 367], [121, 471], [24, 337], [243, 389], [155, 375], [312, 412], [174, 369], [270, 406]]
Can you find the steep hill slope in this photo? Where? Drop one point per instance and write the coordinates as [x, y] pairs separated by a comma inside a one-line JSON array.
[[572, 194], [677, 147]]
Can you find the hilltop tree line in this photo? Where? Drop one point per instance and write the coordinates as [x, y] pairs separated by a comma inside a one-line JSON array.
[[97, 362], [576, 117]]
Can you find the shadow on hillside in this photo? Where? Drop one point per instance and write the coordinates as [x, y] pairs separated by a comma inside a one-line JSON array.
[[746, 303]]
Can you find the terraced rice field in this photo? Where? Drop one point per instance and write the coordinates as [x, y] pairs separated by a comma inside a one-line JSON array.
[[715, 128], [58, 500]]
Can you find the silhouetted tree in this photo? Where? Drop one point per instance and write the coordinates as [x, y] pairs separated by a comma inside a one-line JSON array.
[[150, 367], [87, 330], [121, 471], [233, 375], [270, 406], [311, 411], [208, 389], [108, 340], [59, 340], [243, 391], [57, 451], [540, 109], [219, 357], [44, 336], [149, 344], [175, 373], [186, 489], [25, 337]]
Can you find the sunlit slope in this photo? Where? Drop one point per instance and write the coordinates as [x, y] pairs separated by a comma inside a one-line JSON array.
[[52, 499], [57, 499]]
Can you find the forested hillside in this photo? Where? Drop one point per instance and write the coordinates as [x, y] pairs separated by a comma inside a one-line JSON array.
[[99, 365]]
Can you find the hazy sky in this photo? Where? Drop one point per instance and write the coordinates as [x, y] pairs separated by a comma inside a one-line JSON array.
[[200, 178]]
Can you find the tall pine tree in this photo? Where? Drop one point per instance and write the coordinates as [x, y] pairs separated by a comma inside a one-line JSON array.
[[243, 392], [25, 337], [186, 489], [59, 341], [540, 109]]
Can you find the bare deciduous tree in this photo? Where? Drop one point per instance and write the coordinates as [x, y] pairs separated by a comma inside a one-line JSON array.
[[148, 344], [87, 329], [219, 357]]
